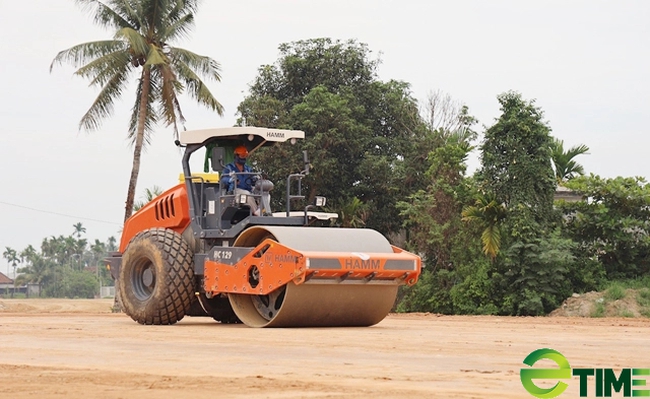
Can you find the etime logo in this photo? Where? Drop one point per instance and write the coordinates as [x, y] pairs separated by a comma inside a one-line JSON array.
[[629, 382]]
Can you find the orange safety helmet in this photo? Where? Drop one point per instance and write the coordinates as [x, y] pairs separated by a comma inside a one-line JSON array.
[[241, 151]]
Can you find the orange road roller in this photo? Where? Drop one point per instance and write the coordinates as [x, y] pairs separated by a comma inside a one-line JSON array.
[[200, 249]]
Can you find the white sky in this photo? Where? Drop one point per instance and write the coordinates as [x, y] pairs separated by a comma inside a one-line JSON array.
[[586, 63]]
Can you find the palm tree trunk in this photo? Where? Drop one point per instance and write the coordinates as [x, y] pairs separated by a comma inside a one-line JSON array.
[[137, 151], [139, 138]]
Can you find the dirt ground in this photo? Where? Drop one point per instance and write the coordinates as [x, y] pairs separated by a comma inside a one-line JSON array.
[[78, 349]]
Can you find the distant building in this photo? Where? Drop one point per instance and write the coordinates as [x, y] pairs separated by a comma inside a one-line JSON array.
[[563, 193], [5, 282]]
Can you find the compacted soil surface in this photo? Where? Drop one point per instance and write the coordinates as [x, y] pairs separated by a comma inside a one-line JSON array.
[[79, 349]]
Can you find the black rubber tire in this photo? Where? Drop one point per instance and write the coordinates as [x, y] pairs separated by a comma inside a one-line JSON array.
[[219, 309], [156, 277]]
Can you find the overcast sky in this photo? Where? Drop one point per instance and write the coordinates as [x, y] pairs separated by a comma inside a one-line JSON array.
[[586, 63]]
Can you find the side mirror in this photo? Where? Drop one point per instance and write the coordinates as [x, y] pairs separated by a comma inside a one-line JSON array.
[[216, 159]]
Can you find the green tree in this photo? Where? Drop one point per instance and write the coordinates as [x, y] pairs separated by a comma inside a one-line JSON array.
[[78, 284], [566, 167], [28, 253], [610, 227], [535, 274], [516, 163], [364, 135], [142, 43], [12, 258], [78, 229], [432, 217], [111, 244], [516, 171]]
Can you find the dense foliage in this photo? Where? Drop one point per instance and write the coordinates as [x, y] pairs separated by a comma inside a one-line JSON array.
[[611, 226], [364, 136], [495, 242]]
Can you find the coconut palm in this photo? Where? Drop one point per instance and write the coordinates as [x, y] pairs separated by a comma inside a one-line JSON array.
[[565, 167], [144, 31], [487, 213]]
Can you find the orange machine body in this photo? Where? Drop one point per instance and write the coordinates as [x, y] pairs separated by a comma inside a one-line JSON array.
[[169, 210], [271, 265]]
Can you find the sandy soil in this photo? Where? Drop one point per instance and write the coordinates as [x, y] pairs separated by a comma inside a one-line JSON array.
[[78, 349]]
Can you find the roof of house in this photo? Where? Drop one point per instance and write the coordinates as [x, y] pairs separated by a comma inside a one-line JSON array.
[[5, 280]]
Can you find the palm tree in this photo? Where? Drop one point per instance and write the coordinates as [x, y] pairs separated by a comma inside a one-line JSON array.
[[38, 270], [78, 229], [565, 167], [12, 257], [111, 244], [28, 253], [144, 31], [488, 214]]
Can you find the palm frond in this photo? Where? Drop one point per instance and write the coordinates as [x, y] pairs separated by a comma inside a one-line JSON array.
[[204, 66], [102, 69], [156, 13], [179, 29], [102, 107], [195, 86], [86, 52], [577, 150], [150, 117], [137, 43], [170, 109], [487, 213], [491, 239], [563, 161], [104, 15], [128, 11]]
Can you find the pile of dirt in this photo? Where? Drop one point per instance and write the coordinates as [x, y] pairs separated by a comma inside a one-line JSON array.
[[595, 304]]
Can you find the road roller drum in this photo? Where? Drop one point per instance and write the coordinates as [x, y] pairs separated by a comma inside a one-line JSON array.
[[296, 276]]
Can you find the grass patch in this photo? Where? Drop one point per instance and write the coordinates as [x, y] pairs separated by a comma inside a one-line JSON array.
[[635, 284], [625, 313], [615, 292], [643, 297], [598, 310]]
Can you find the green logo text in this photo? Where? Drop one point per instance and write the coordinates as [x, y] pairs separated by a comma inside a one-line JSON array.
[[629, 382]]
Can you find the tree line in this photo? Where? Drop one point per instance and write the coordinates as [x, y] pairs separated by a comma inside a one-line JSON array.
[[494, 242], [64, 266]]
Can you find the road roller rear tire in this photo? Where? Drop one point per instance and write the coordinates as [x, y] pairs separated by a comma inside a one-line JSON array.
[[156, 277]]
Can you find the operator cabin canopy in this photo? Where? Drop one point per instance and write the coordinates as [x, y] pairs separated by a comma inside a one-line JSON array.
[[255, 136]]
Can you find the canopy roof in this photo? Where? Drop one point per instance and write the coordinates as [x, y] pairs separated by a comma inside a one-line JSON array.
[[257, 136]]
